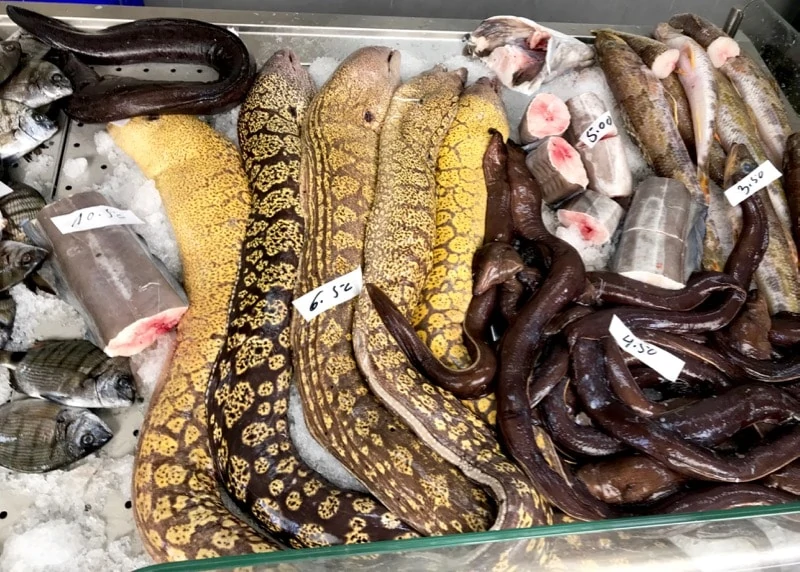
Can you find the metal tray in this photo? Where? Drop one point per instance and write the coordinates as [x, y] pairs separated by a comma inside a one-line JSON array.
[[313, 36]]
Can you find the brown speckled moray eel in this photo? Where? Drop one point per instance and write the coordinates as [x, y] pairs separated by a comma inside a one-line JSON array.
[[249, 391], [339, 165], [397, 255], [176, 502]]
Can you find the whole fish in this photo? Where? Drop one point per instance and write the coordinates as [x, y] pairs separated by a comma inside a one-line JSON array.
[[19, 206], [761, 93], [71, 372], [17, 262], [36, 85], [8, 311], [22, 129], [650, 117], [39, 436], [696, 74], [10, 53], [777, 275]]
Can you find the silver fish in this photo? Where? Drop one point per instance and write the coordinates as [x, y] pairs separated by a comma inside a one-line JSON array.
[[22, 129], [39, 436], [37, 84], [10, 53], [32, 48], [17, 262], [21, 205], [72, 372]]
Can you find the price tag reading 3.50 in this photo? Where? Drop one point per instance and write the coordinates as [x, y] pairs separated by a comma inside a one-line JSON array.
[[328, 295], [601, 127], [91, 218], [667, 365], [752, 183]]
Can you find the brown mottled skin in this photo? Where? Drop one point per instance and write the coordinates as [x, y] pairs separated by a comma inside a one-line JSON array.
[[205, 192], [397, 256], [249, 391], [339, 169]]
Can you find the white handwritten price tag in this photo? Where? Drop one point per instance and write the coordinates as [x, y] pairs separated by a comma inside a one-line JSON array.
[[601, 127], [91, 218], [5, 190], [328, 295], [752, 183], [667, 365]]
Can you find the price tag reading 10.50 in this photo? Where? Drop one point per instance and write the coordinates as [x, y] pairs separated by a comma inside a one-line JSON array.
[[601, 127], [330, 294], [91, 218], [666, 364]]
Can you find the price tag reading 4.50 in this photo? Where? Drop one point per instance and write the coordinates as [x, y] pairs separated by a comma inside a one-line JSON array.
[[667, 365], [601, 127], [91, 218], [328, 295], [752, 183]]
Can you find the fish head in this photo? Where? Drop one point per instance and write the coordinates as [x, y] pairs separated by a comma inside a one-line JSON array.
[[84, 431], [359, 92], [21, 255], [114, 383], [739, 164], [283, 72], [37, 126], [501, 30], [57, 85], [10, 51]]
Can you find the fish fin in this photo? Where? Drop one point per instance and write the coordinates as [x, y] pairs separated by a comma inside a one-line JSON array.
[[678, 71], [716, 138], [692, 58], [674, 107], [702, 177], [38, 283], [695, 240]]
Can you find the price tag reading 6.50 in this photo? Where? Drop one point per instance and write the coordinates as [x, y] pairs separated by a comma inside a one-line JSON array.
[[599, 128], [330, 294], [666, 364]]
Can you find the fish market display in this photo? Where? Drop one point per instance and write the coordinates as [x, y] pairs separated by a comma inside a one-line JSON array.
[[22, 129], [97, 100], [127, 299], [72, 372], [546, 115], [596, 215], [38, 436], [394, 320], [558, 169], [606, 164], [207, 198], [37, 84], [18, 261], [240, 430], [340, 163], [18, 207], [652, 247], [524, 54]]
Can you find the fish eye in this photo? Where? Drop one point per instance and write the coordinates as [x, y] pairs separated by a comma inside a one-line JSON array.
[[122, 381], [57, 77], [87, 440], [27, 258], [153, 117], [8, 48], [369, 117]]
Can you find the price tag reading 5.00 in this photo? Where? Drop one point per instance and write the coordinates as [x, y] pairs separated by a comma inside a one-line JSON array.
[[601, 127], [752, 183], [91, 218], [333, 293], [666, 364]]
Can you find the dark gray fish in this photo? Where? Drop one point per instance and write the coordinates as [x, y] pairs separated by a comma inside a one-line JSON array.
[[37, 84], [10, 53], [8, 311], [39, 436], [71, 372], [17, 262], [19, 206], [22, 129]]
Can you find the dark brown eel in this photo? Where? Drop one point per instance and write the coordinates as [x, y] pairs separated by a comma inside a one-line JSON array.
[[494, 263], [786, 479], [563, 283], [649, 437], [785, 330], [156, 40], [547, 375], [724, 497], [633, 479]]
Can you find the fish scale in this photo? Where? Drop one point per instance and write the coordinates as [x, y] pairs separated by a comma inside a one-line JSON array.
[[339, 164], [22, 204], [397, 254]]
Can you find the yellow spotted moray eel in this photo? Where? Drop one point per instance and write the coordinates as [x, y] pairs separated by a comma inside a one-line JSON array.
[[460, 222], [249, 391], [205, 192], [339, 166], [398, 257]]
